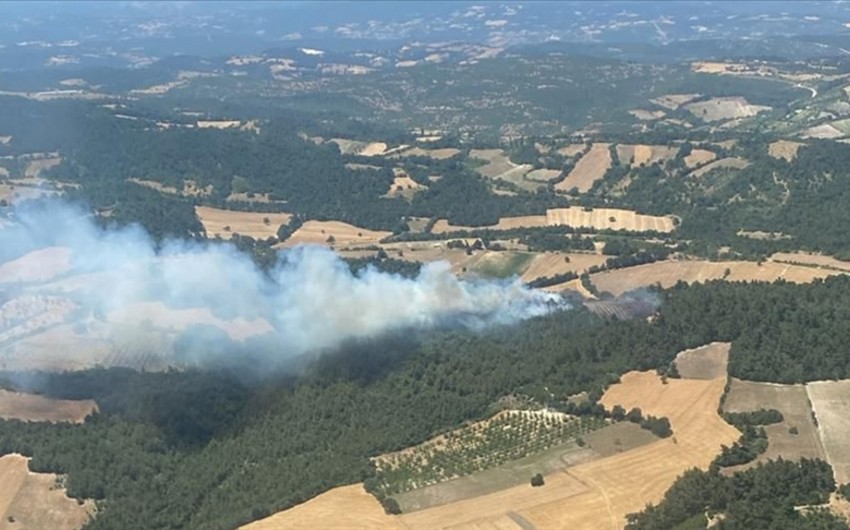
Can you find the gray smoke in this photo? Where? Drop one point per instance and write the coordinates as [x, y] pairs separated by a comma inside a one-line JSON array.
[[310, 300]]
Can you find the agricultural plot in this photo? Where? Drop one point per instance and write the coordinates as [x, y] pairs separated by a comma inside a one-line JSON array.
[[32, 407], [608, 218], [334, 233], [404, 186], [572, 150], [641, 154], [352, 147], [729, 163], [13, 193], [36, 266], [668, 273], [437, 154], [32, 500], [590, 168], [831, 404], [501, 264], [793, 403], [674, 101], [784, 149], [699, 157], [499, 167], [554, 263], [705, 362], [824, 131], [37, 166], [647, 115], [725, 108], [225, 223], [509, 435], [442, 226], [813, 260]]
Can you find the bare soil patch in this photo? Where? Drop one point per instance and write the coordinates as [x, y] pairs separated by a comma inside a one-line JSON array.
[[32, 407], [793, 403], [225, 223], [784, 149], [590, 168], [33, 501], [705, 362], [334, 233], [831, 403]]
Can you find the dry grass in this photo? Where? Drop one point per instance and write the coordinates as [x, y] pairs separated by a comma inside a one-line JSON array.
[[647, 115], [505, 223], [225, 223], [784, 149], [543, 175], [590, 168], [608, 218], [438, 154], [405, 186], [793, 403], [344, 235], [814, 260], [731, 163], [705, 362], [572, 150], [14, 193], [644, 154], [667, 273], [36, 266], [37, 166], [831, 403], [674, 101], [33, 501], [31, 407], [554, 263], [822, 131], [699, 157], [725, 108], [218, 124]]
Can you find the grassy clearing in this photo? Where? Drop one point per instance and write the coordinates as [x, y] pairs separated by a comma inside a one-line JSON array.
[[503, 264]]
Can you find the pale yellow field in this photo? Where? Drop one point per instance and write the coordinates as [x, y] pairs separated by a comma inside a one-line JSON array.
[[251, 224], [32, 407], [784, 149], [705, 362], [439, 154], [831, 403], [32, 501], [405, 186], [35, 167], [505, 223], [344, 234], [733, 163], [552, 263], [644, 154], [590, 168], [646, 115], [36, 266], [817, 260], [667, 273], [674, 101], [13, 193], [822, 131], [699, 157], [725, 108], [543, 175], [601, 218], [218, 124]]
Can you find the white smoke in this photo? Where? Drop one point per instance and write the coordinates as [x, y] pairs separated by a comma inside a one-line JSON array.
[[309, 301]]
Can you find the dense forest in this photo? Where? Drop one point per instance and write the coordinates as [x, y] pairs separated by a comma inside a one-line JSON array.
[[215, 449]]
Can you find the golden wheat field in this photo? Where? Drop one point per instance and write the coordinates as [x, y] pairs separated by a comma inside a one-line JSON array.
[[590, 168], [225, 223]]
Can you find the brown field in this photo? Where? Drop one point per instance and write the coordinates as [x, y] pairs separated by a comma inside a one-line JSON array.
[[594, 495], [33, 501], [572, 149], [344, 234], [784, 149], [553, 263], [644, 154], [543, 175], [601, 218], [733, 163], [37, 166], [699, 157], [705, 362], [438, 154], [667, 273], [251, 224], [32, 407], [793, 403], [647, 115], [590, 168], [674, 101], [725, 108], [36, 266], [815, 260], [831, 403]]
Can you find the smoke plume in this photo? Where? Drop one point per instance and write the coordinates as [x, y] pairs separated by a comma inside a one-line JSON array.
[[309, 301]]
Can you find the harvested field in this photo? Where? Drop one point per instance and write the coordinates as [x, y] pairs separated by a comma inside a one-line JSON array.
[[784, 149], [831, 403], [438, 154], [725, 108], [590, 168], [36, 266], [699, 157], [731, 163], [225, 223], [32, 407], [813, 260], [31, 500], [667, 273], [14, 193], [572, 150], [793, 403], [499, 166], [344, 235], [644, 154], [647, 115], [705, 362], [543, 175], [37, 166], [505, 223], [503, 264], [674, 101], [343, 508], [608, 218], [218, 124], [553, 263], [353, 147], [405, 186], [822, 131]]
